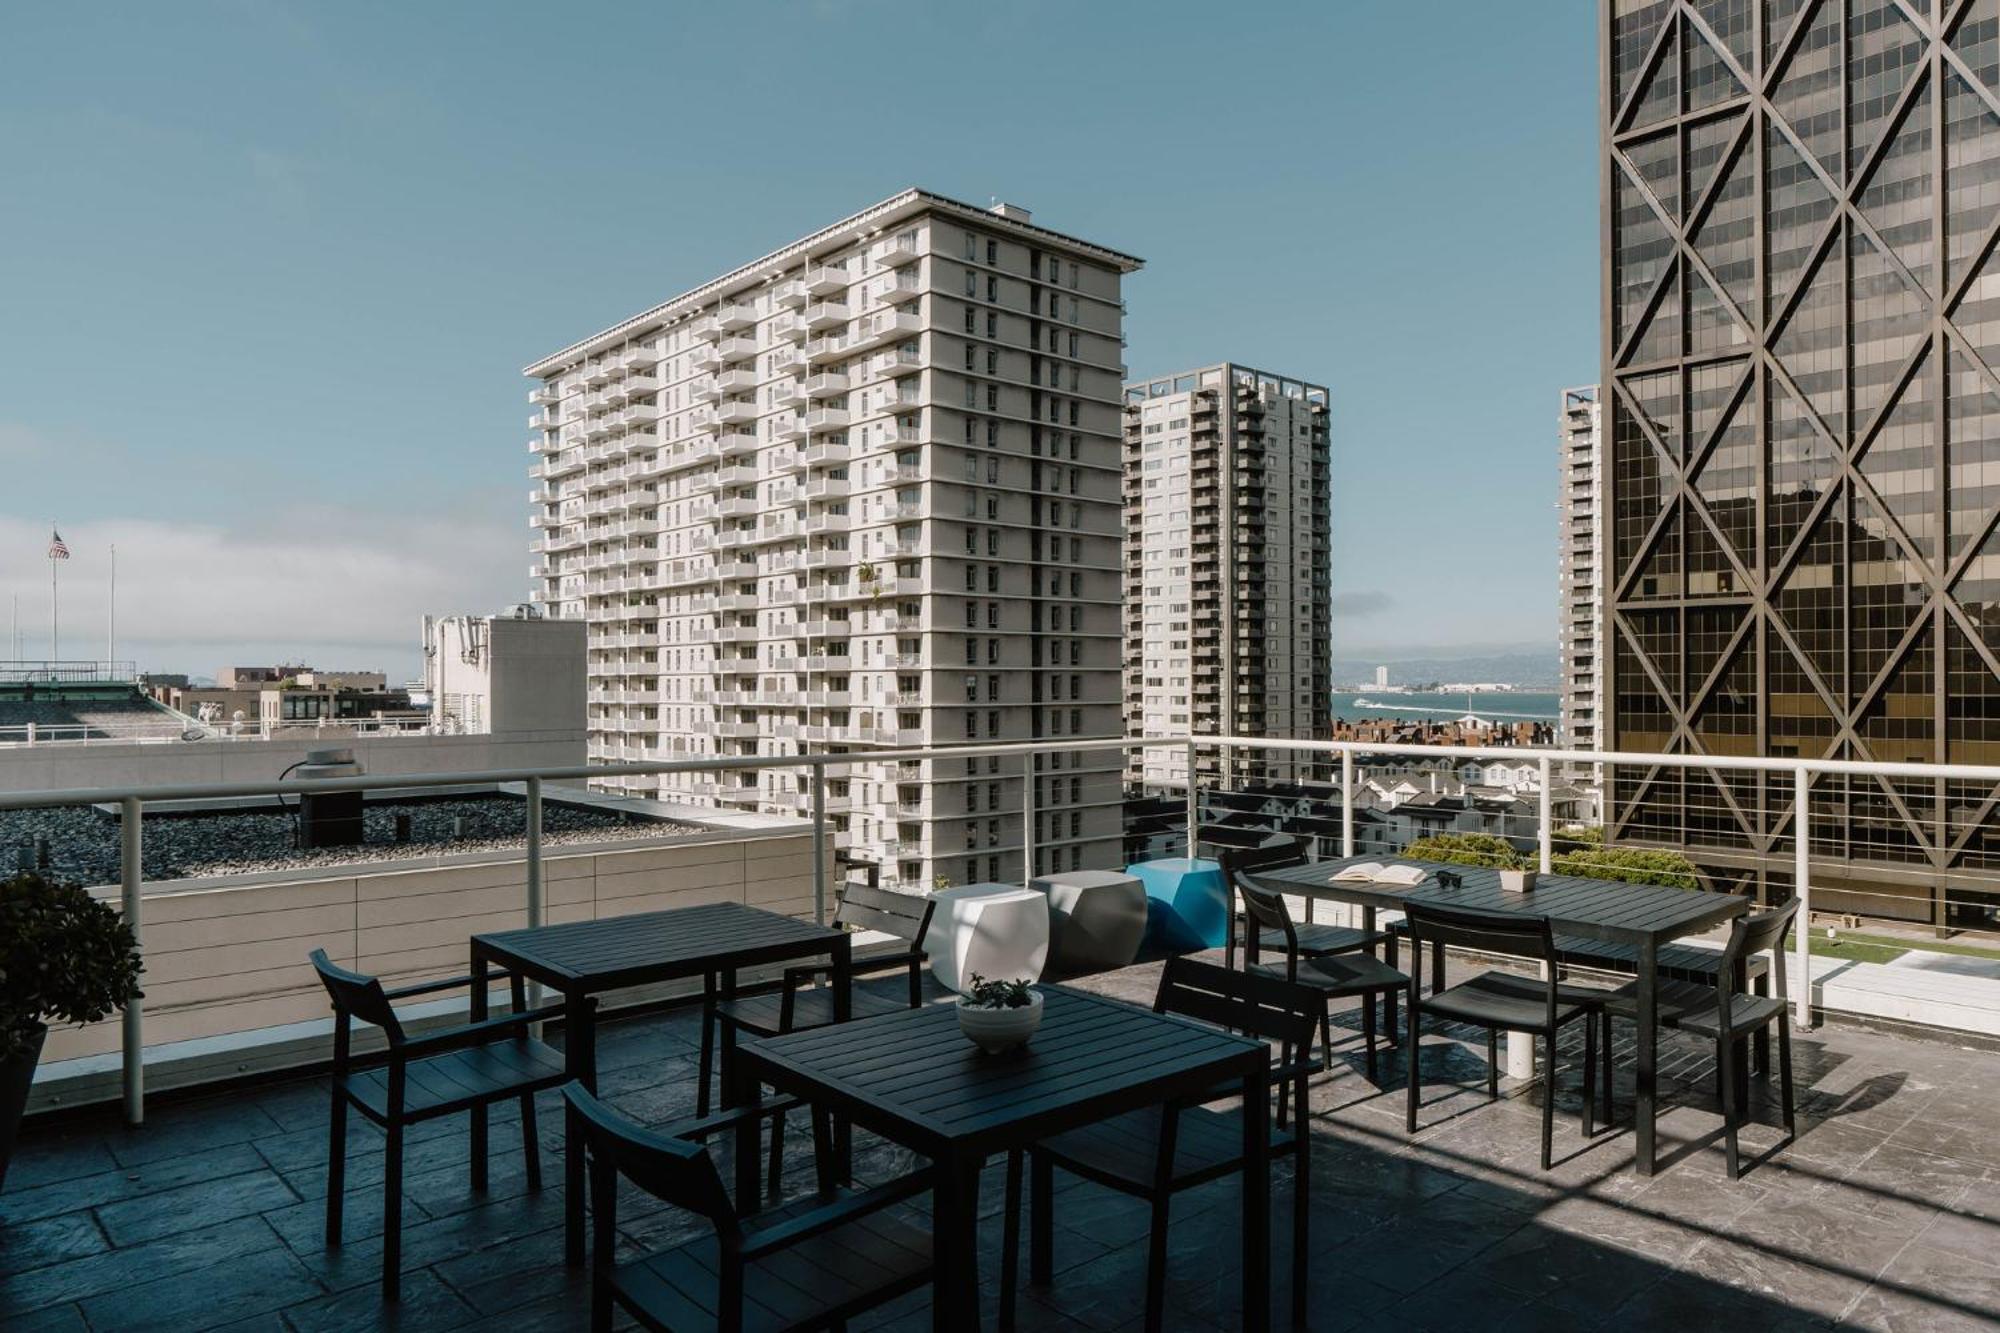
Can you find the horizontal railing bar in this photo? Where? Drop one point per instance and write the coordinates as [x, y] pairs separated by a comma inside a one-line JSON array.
[[38, 800]]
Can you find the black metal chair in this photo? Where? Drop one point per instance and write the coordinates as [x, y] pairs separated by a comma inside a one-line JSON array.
[[1157, 1152], [1502, 1001], [1309, 939], [1729, 1017], [906, 916], [811, 1265], [1334, 977], [464, 1068]]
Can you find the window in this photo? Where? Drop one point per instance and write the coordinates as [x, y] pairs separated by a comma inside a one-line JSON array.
[[992, 251]]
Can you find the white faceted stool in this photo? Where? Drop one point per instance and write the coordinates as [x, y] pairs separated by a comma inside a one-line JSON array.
[[1097, 920], [1000, 931]]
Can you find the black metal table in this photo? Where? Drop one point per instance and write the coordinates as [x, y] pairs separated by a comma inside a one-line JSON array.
[[1641, 915], [583, 959], [914, 1079]]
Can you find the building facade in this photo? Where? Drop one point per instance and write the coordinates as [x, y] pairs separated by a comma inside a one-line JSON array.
[[1802, 408], [861, 494], [1228, 602], [1579, 568]]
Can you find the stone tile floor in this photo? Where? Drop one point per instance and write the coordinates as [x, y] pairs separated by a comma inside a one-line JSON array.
[[1885, 1214]]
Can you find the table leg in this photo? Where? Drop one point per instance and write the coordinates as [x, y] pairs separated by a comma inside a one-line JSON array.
[[478, 1006], [1643, 1105], [749, 1151], [843, 1010], [955, 1246], [1257, 1202], [580, 1059]]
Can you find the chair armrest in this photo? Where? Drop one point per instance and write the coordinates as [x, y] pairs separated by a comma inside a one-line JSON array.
[[474, 1034], [430, 987], [760, 1241], [698, 1128], [860, 967]]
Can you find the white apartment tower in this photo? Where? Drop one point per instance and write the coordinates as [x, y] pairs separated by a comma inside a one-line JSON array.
[[861, 494], [1228, 603], [1580, 567]]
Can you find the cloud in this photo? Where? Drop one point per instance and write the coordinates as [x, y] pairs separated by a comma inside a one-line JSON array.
[[303, 579], [1355, 604]]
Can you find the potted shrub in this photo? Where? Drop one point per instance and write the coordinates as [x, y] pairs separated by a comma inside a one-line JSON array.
[[999, 1015], [64, 957]]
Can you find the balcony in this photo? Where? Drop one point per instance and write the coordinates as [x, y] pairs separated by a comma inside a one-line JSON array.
[[735, 350], [789, 294], [826, 280], [826, 384], [736, 411], [737, 444], [895, 364], [789, 327], [823, 315], [827, 419], [893, 253], [736, 315], [209, 1212], [884, 326]]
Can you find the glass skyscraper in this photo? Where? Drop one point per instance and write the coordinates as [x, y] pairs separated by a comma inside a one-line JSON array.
[[1801, 329]]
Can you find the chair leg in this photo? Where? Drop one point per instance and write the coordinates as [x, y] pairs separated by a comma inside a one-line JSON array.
[[1010, 1243], [1605, 1073], [1492, 1063], [1725, 1059], [1785, 1075], [1548, 1100], [1391, 951], [1156, 1268], [531, 1142], [392, 1215], [701, 1096], [777, 1154], [1589, 1067], [1368, 1034], [824, 1166], [480, 1149], [1411, 1023], [1041, 1220], [336, 1167], [1326, 1034]]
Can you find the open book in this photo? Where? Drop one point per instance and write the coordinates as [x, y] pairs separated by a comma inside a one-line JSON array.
[[1374, 872]]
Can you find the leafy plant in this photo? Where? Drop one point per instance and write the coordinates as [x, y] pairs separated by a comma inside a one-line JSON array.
[[1630, 865], [64, 957], [1468, 849], [984, 994]]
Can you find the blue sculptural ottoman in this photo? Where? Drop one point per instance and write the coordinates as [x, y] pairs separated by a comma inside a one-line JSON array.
[[1187, 902]]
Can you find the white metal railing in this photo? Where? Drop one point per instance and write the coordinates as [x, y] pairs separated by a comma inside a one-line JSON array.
[[134, 799], [172, 730]]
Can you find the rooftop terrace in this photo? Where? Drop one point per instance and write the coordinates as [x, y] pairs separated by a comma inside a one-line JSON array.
[[1884, 1214]]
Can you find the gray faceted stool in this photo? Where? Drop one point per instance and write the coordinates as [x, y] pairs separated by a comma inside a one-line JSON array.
[[1097, 920]]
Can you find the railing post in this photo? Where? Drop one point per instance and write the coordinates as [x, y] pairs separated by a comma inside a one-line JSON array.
[[1193, 804], [819, 842], [1027, 821], [1347, 802], [535, 891], [1547, 835], [131, 845], [1802, 885]]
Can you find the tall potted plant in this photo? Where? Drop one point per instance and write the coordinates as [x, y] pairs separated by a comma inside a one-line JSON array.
[[64, 957]]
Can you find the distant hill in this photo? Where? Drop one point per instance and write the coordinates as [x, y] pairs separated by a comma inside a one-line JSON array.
[[1509, 667]]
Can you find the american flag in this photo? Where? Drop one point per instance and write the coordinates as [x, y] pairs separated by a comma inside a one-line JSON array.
[[58, 549]]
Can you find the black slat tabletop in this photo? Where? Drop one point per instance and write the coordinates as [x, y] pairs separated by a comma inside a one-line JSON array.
[[654, 946], [1598, 909], [915, 1078]]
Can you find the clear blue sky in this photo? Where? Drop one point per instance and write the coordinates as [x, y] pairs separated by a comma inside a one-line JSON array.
[[268, 271]]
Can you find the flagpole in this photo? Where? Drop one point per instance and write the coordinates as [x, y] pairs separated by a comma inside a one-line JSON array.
[[55, 606], [111, 630]]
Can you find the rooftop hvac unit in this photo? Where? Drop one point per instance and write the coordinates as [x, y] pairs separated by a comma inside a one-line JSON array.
[[330, 819]]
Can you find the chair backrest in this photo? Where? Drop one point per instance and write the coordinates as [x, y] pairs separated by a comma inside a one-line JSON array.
[[1754, 934], [907, 916], [674, 1170], [355, 995], [1519, 934], [1266, 910], [1249, 1002]]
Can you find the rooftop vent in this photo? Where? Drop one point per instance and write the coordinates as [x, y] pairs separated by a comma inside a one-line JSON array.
[[1012, 212], [329, 819]]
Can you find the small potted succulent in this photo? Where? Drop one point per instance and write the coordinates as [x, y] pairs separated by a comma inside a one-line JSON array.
[[999, 1016], [64, 957], [1517, 879]]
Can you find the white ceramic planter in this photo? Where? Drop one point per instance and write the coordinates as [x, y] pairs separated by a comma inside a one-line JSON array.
[[998, 1030], [1517, 881]]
